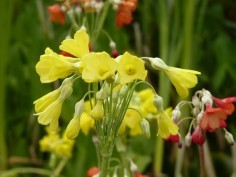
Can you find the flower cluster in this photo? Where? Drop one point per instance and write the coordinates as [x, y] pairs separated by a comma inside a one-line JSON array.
[[113, 103], [209, 114], [53, 143]]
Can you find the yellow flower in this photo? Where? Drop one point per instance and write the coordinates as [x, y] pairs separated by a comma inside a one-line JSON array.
[[53, 66], [73, 128], [86, 123], [130, 68], [79, 46], [165, 125], [97, 66], [51, 114], [147, 106], [48, 142], [182, 79], [64, 147], [132, 120], [42, 103]]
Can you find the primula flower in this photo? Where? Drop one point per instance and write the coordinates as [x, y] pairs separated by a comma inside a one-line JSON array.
[[56, 14], [130, 68], [53, 66], [165, 125], [198, 136], [173, 138], [124, 12], [42, 103], [182, 79], [51, 114], [226, 104], [79, 46], [147, 106], [213, 118], [97, 67], [48, 142]]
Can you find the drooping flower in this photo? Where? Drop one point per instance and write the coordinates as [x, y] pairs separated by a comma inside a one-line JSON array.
[[213, 118], [124, 12], [98, 66], [53, 66], [57, 14], [42, 103], [79, 46], [166, 127], [182, 79], [198, 136], [225, 104], [130, 68]]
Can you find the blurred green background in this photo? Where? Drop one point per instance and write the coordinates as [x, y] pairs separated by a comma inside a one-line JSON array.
[[196, 34]]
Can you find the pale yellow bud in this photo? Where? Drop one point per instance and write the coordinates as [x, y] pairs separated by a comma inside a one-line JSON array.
[[158, 102], [73, 128], [145, 127], [66, 91], [97, 112]]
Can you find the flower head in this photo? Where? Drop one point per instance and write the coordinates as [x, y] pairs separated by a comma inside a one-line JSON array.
[[97, 67], [226, 104], [213, 118], [57, 14], [53, 66], [130, 68], [79, 46], [182, 79]]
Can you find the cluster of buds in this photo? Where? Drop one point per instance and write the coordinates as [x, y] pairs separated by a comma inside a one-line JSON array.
[[209, 115]]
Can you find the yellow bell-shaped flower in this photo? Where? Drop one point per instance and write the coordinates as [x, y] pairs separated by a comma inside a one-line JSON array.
[[98, 112], [130, 68], [79, 46], [86, 123], [53, 66], [182, 79]]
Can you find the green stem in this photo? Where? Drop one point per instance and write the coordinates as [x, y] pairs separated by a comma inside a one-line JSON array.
[[5, 21], [202, 160], [25, 170], [104, 167], [59, 168]]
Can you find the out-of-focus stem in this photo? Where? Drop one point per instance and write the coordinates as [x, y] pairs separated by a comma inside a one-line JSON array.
[[164, 85], [202, 160], [5, 23], [208, 162]]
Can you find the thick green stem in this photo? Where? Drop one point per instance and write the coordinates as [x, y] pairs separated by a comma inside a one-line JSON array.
[[104, 167], [5, 23]]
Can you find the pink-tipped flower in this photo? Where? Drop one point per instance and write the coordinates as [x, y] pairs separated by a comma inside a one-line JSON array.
[[213, 118], [198, 136], [57, 14], [226, 104], [93, 171]]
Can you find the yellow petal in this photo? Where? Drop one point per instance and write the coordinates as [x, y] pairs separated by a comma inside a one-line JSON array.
[[98, 66], [73, 128], [79, 46], [182, 79], [42, 103], [86, 123]]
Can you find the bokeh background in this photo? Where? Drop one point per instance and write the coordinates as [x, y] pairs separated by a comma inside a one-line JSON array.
[[196, 34]]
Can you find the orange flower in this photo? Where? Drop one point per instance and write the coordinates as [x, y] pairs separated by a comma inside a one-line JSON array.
[[226, 104], [56, 14], [93, 171], [124, 12], [213, 118]]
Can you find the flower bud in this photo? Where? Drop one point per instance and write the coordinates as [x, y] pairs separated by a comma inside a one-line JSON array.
[[196, 111], [101, 94], [198, 136], [187, 140], [199, 117], [145, 127], [195, 101], [206, 99], [229, 137], [73, 128], [123, 91], [158, 102], [97, 112], [133, 166], [176, 115]]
